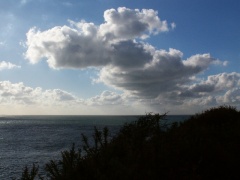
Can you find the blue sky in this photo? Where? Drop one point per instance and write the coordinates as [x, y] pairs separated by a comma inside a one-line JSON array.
[[118, 57]]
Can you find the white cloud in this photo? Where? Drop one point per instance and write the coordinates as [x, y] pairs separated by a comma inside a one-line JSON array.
[[87, 45], [65, 47], [125, 23], [198, 61], [148, 76], [7, 65], [106, 98], [124, 62], [22, 99], [217, 83], [18, 93], [232, 96]]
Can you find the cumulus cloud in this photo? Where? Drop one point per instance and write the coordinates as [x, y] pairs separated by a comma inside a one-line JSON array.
[[166, 71], [125, 23], [85, 44], [125, 63], [18, 93], [232, 97], [22, 99], [114, 47], [7, 65], [117, 48], [197, 95], [215, 90], [65, 47], [59, 101], [106, 98], [216, 83]]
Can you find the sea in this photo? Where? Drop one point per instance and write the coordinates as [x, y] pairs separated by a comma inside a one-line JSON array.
[[25, 140]]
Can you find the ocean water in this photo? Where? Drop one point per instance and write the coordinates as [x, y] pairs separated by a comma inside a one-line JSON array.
[[25, 140]]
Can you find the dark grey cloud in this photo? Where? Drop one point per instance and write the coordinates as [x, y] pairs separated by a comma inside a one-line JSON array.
[[166, 71], [215, 90], [129, 54]]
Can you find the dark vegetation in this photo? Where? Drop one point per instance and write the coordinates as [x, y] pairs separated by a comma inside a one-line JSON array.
[[206, 146]]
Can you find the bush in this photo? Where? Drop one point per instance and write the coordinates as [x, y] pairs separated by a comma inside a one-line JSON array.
[[203, 147]]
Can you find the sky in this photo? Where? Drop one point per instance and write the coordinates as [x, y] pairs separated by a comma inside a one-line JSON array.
[[118, 57]]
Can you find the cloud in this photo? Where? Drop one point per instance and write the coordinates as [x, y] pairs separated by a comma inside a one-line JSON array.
[[106, 98], [232, 96], [216, 83], [114, 48], [85, 44], [7, 65], [18, 96], [22, 99], [167, 71], [118, 50], [216, 90], [65, 47], [18, 93], [125, 23], [196, 95]]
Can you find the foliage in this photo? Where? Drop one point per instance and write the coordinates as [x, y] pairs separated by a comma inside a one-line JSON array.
[[26, 175], [206, 146]]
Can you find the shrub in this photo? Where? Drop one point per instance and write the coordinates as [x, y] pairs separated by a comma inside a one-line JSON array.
[[203, 147]]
